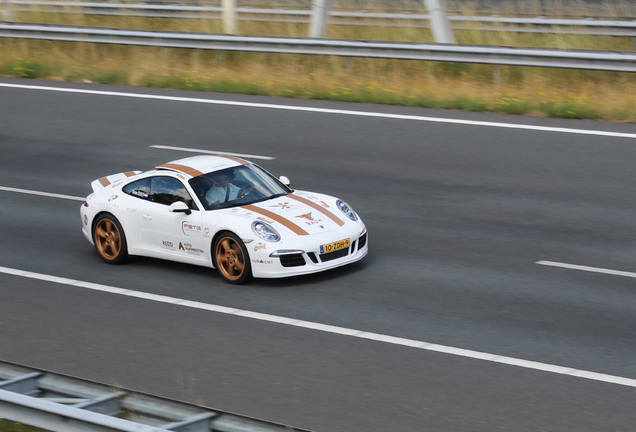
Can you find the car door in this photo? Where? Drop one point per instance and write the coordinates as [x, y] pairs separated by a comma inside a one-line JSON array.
[[175, 234]]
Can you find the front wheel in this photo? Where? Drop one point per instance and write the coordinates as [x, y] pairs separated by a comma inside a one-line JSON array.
[[110, 240], [231, 258]]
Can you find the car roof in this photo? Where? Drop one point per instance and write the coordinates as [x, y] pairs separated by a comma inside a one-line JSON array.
[[198, 165]]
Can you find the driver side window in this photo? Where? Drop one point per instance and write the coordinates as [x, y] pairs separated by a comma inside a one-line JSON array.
[[167, 190]]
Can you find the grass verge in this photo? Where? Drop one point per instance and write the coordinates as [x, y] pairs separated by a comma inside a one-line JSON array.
[[576, 95]]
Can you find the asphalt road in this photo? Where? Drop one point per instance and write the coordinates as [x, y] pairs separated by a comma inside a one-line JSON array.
[[458, 215]]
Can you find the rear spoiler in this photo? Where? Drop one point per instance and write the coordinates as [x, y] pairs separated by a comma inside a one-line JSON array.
[[103, 182]]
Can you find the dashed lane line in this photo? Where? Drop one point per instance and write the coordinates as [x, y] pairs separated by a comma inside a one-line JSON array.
[[587, 269], [545, 367], [327, 111], [47, 194]]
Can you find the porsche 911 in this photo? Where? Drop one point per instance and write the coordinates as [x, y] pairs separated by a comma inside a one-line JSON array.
[[221, 212]]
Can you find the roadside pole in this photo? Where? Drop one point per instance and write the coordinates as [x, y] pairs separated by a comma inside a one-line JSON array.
[[319, 18], [440, 24], [7, 10], [229, 16]]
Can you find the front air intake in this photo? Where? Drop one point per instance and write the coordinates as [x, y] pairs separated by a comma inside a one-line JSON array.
[[362, 241], [292, 260], [334, 255]]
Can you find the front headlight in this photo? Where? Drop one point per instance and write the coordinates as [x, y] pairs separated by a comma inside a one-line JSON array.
[[347, 210], [265, 231]]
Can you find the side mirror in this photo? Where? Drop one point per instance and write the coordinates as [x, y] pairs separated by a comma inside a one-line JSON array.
[[284, 180], [179, 207]]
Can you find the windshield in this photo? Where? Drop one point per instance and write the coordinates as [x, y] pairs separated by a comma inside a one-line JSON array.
[[236, 186]]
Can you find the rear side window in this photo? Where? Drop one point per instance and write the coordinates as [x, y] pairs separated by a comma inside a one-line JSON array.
[[138, 189], [161, 190]]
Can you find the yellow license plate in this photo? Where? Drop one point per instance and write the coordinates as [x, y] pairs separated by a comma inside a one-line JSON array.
[[331, 247]]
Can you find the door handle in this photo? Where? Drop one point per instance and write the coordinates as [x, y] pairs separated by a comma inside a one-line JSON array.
[[146, 217]]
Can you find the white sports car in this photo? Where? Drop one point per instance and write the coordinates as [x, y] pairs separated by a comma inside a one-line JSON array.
[[222, 212]]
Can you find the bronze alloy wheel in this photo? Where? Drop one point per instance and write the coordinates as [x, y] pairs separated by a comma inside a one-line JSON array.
[[231, 259], [110, 240]]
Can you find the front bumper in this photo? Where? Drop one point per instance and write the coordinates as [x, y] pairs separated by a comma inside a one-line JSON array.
[[309, 260]]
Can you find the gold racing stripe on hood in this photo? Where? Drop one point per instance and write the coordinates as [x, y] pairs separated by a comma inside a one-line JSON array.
[[183, 168], [130, 173], [319, 208], [104, 181], [278, 218]]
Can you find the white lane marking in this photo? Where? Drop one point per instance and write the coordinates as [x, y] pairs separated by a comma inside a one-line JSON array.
[[612, 379], [191, 150], [32, 192], [331, 111], [586, 268]]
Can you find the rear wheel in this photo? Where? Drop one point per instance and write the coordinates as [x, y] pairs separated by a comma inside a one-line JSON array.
[[231, 258], [110, 240]]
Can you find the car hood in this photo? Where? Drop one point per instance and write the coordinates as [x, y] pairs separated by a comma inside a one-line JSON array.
[[302, 213]]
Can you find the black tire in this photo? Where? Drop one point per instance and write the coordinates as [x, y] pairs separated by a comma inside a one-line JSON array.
[[231, 258], [110, 240]]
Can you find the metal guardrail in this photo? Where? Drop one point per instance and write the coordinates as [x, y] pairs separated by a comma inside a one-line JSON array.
[[618, 61], [489, 23], [61, 403]]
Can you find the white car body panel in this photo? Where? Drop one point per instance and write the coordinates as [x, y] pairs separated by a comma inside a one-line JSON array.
[[304, 220]]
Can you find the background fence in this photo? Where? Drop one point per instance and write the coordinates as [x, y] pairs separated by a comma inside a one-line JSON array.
[[619, 61], [588, 26]]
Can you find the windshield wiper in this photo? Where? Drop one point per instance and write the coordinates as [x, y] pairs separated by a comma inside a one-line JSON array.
[[273, 196], [278, 195]]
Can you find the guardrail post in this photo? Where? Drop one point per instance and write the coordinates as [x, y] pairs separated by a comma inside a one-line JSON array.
[[496, 74], [319, 18], [229, 16], [7, 10], [440, 24]]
